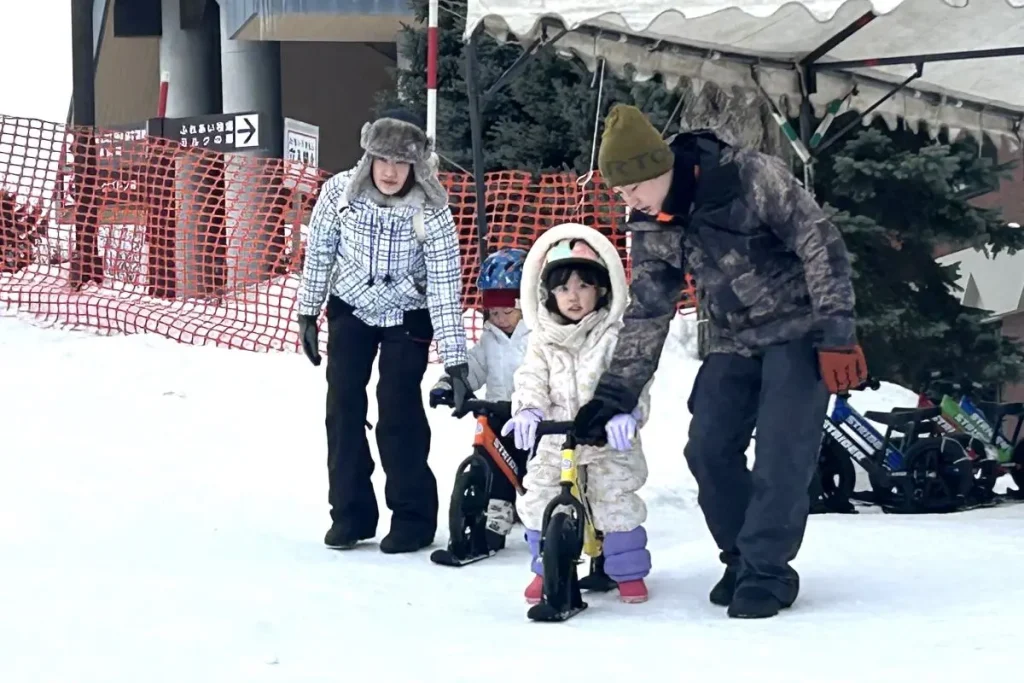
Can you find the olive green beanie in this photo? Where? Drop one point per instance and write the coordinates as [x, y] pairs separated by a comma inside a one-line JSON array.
[[632, 150]]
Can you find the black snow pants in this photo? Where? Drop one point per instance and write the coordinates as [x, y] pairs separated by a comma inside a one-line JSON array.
[[758, 517], [402, 430]]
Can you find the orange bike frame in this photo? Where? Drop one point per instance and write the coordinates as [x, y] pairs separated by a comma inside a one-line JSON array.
[[486, 439]]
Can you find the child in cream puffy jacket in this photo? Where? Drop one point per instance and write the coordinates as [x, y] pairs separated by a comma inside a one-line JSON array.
[[573, 296]]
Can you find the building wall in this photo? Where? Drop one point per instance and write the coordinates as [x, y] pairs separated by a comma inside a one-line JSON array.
[[127, 79], [1009, 198], [333, 85]]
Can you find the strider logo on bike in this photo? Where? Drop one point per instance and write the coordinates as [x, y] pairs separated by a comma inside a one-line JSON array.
[[865, 433], [844, 441], [985, 430], [509, 460]]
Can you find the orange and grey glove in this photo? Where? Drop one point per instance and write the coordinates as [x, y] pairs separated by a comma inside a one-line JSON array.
[[843, 369]]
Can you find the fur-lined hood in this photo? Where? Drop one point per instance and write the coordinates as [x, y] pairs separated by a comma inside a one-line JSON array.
[[390, 138], [533, 294]]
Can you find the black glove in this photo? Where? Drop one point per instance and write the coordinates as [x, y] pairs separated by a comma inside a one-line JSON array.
[[309, 337], [591, 420], [459, 377], [441, 393]]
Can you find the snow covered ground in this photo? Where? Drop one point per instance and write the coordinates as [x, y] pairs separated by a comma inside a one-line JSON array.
[[162, 509]]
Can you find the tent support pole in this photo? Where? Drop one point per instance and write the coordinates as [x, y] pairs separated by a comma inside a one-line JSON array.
[[531, 51], [476, 138], [806, 125], [919, 59], [809, 86], [806, 64], [856, 122], [782, 120]]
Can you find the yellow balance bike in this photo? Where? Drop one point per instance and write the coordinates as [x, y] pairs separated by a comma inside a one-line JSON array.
[[567, 531]]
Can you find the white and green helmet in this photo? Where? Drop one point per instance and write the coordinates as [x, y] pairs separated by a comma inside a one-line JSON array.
[[572, 251]]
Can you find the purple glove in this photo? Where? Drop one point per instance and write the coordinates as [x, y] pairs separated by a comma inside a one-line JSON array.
[[620, 430], [524, 424]]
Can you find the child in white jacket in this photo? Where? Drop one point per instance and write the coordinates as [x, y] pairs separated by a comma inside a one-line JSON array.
[[574, 293], [492, 364]]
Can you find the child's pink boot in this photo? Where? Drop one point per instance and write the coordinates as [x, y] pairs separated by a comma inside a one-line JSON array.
[[633, 591], [535, 591], [627, 561]]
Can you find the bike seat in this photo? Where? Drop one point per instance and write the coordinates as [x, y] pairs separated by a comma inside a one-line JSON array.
[[1001, 409], [923, 427], [899, 417]]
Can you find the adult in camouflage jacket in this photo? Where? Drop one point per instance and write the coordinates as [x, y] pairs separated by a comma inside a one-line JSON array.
[[773, 276]]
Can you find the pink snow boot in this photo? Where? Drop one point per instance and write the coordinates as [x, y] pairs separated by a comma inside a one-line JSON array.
[[633, 591], [535, 591], [627, 561]]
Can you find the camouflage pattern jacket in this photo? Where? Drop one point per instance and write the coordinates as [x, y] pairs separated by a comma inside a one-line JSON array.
[[769, 265]]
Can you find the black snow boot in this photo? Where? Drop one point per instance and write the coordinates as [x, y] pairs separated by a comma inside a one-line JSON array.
[[755, 602], [342, 537], [405, 541], [723, 591]]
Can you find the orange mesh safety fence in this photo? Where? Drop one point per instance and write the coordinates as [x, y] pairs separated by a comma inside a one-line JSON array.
[[118, 232]]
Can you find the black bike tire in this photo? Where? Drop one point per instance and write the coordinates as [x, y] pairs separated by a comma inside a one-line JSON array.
[[458, 542], [561, 541], [956, 478]]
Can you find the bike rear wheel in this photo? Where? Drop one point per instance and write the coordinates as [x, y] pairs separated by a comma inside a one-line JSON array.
[[937, 477], [467, 509]]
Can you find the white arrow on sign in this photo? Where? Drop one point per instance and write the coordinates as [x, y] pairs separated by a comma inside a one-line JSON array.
[[247, 130]]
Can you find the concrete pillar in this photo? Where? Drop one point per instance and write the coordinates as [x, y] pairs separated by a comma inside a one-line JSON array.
[[188, 58], [251, 81]]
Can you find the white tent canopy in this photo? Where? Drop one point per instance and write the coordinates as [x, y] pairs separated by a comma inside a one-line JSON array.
[[719, 41]]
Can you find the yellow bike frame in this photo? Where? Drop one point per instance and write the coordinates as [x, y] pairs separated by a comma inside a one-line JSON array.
[[570, 476]]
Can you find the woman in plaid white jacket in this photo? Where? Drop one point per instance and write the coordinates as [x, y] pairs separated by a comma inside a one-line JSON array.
[[383, 251]]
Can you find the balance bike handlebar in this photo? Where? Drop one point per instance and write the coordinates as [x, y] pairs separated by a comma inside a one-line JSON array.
[[554, 428], [872, 383], [487, 408], [477, 406]]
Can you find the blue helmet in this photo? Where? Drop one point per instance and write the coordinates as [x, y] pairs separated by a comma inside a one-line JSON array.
[[502, 270]]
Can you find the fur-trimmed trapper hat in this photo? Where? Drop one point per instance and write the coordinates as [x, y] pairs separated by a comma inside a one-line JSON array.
[[399, 135]]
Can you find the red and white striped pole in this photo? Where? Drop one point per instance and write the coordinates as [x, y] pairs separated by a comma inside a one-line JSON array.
[[161, 104], [432, 70]]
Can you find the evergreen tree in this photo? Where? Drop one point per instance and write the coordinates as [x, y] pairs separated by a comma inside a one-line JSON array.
[[542, 120], [898, 196]]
